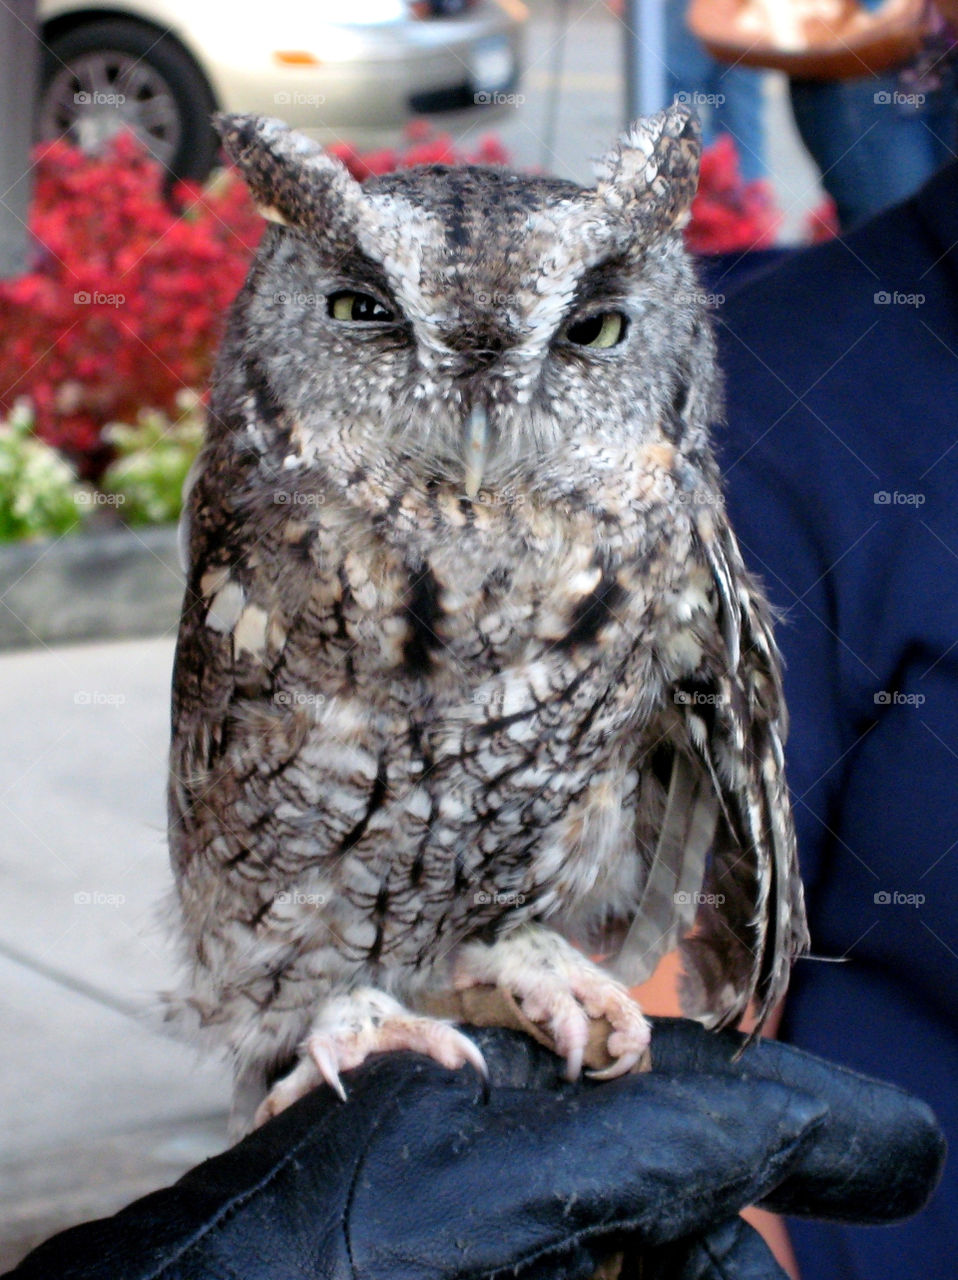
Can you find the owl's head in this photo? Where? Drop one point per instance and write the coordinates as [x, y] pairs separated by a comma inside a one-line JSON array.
[[474, 325]]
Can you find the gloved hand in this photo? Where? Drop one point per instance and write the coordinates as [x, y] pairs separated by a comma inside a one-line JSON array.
[[424, 1174]]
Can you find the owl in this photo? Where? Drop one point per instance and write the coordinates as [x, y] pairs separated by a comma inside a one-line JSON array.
[[471, 681]]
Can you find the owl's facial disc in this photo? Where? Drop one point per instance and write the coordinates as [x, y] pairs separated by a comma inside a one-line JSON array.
[[459, 319]]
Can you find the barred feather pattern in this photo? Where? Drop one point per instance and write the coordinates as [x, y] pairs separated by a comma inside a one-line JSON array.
[[424, 697]]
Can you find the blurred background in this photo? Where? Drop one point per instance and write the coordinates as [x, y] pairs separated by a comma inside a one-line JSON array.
[[122, 242]]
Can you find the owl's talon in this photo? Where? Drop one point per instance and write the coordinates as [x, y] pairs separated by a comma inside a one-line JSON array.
[[350, 1028], [560, 990], [300, 1081], [621, 1067], [568, 1026], [325, 1062], [573, 1062], [473, 1056]]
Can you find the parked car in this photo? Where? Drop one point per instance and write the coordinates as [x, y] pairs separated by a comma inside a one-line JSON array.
[[161, 67]]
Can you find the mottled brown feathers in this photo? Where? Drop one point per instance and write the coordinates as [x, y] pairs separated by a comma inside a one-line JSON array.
[[404, 719]]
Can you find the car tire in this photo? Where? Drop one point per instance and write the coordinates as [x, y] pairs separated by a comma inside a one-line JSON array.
[[169, 106]]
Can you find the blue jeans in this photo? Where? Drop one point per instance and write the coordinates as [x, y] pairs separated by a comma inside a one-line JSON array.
[[874, 148], [728, 99]]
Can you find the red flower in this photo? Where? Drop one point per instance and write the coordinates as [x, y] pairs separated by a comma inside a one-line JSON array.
[[728, 214]]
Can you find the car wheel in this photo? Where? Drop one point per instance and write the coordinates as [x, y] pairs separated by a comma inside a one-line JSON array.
[[103, 77]]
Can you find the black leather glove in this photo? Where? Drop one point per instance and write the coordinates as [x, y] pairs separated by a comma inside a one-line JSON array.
[[425, 1175]]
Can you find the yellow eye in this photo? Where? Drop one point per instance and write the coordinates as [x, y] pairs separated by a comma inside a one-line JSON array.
[[605, 329], [361, 307]]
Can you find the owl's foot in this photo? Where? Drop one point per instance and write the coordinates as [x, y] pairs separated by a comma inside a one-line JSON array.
[[560, 990], [353, 1026]]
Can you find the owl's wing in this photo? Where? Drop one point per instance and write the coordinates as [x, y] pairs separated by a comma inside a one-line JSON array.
[[240, 598], [725, 859]]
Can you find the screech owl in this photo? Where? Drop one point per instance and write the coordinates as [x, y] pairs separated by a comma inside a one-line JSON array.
[[470, 668]]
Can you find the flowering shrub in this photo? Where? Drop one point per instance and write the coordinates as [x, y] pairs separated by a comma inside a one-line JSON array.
[[421, 148], [39, 493], [728, 214], [154, 457], [125, 302]]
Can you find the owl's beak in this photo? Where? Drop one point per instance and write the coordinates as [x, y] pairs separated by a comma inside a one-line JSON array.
[[477, 435]]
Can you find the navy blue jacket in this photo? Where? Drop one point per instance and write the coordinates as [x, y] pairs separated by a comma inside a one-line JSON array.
[[841, 458]]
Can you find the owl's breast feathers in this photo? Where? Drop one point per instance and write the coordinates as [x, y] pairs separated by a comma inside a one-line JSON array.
[[439, 717]]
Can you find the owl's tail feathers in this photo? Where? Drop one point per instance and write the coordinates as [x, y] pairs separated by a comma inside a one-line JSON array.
[[671, 895]]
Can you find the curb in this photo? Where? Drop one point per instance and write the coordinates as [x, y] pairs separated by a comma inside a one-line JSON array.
[[90, 586]]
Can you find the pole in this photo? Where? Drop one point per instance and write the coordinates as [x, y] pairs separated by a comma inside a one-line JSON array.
[[19, 58], [644, 30]]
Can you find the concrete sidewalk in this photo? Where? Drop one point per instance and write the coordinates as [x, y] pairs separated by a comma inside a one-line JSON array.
[[96, 1106]]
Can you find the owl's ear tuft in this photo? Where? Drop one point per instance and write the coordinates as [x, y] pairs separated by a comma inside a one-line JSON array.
[[293, 181], [652, 171]]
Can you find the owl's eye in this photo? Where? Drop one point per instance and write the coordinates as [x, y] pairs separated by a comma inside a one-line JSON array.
[[604, 329], [363, 307]]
